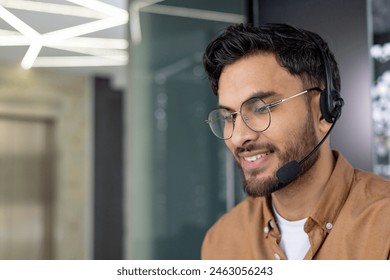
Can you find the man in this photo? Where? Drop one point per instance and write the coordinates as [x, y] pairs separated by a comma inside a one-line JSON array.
[[278, 100]]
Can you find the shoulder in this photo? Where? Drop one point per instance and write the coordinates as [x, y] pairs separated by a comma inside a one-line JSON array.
[[373, 185], [370, 191], [365, 187], [364, 218]]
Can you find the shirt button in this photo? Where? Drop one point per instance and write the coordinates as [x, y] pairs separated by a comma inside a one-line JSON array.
[[329, 226], [277, 257], [266, 230]]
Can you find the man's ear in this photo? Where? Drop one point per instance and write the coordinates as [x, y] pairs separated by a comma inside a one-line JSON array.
[[319, 119]]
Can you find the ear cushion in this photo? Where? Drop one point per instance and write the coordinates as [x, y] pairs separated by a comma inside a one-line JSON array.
[[324, 106]]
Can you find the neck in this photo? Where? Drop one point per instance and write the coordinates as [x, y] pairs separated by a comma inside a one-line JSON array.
[[296, 201]]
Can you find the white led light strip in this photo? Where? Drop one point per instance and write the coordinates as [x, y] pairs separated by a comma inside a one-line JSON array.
[[50, 8], [106, 16]]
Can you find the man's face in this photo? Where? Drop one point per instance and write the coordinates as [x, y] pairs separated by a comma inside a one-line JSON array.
[[291, 135]]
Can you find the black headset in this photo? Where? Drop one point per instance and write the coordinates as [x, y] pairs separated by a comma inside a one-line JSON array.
[[330, 105], [331, 102]]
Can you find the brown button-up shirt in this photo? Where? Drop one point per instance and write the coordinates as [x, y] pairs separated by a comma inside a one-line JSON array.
[[351, 221]]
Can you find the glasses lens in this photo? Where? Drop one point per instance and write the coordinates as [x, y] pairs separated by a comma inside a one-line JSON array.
[[256, 114], [221, 122]]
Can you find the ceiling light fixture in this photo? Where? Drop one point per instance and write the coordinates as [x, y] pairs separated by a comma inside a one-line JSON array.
[[107, 16], [51, 8], [18, 24], [194, 13], [135, 23], [79, 61]]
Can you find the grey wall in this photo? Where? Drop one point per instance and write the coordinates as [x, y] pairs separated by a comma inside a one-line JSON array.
[[344, 25]]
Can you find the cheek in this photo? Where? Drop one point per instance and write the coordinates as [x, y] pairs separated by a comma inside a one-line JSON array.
[[283, 127], [280, 129]]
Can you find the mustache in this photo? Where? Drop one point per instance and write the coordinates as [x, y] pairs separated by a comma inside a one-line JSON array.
[[251, 147]]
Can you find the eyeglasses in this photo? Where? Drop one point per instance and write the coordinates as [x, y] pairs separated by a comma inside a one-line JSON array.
[[255, 113]]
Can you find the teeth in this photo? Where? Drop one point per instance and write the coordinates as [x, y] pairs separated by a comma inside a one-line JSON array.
[[255, 157]]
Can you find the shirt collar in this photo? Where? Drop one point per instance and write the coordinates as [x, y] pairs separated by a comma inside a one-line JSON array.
[[334, 195], [332, 199]]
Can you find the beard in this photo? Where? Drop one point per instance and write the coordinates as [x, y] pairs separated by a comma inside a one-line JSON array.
[[300, 143]]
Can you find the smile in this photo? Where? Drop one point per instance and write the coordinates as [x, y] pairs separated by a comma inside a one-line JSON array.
[[255, 157]]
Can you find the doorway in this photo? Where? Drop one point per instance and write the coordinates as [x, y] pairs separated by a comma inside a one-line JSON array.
[[26, 188]]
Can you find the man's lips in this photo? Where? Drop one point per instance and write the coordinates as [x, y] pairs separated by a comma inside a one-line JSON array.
[[255, 157], [255, 160]]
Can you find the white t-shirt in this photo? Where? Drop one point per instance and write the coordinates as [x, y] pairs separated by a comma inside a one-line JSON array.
[[294, 240]]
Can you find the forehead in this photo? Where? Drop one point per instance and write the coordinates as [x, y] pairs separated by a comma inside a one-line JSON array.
[[250, 75]]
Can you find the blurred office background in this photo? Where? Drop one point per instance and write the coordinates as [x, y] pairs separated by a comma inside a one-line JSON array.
[[104, 152]]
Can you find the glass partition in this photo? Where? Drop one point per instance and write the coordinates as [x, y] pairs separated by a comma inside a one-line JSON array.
[[177, 170]]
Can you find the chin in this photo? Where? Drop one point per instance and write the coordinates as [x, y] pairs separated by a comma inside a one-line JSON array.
[[260, 186]]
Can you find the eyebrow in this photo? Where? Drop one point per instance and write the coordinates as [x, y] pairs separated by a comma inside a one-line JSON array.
[[258, 94]]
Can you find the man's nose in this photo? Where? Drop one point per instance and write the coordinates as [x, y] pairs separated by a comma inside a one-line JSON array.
[[242, 133]]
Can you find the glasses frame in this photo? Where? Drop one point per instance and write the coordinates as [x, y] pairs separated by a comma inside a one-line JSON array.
[[265, 107]]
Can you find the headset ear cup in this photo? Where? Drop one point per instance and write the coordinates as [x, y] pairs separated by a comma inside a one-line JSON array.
[[324, 106]]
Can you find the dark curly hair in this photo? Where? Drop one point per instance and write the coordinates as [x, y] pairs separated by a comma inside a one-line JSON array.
[[294, 48]]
